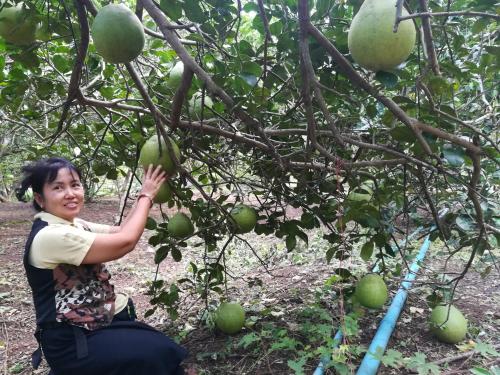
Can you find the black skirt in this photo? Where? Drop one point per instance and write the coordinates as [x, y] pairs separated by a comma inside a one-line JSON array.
[[125, 347]]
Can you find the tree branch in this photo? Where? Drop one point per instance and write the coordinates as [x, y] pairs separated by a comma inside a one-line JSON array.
[[466, 13], [76, 74], [429, 42], [180, 96]]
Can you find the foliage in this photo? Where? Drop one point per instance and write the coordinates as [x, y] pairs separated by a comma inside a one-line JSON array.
[[293, 123]]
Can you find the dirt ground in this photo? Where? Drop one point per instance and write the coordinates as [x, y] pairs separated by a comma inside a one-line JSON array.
[[287, 286]]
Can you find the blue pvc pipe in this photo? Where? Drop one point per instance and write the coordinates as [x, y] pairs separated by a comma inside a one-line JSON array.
[[337, 339], [370, 364]]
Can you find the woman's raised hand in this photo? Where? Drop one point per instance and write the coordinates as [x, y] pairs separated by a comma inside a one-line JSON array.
[[153, 178]]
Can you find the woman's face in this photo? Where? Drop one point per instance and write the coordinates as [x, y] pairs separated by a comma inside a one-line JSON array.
[[62, 197]]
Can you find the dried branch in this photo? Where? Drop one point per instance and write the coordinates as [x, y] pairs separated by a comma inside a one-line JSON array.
[[76, 74], [309, 78], [429, 42], [23, 124], [160, 36], [474, 197], [262, 14], [306, 68], [399, 12], [116, 103], [427, 196], [465, 13], [180, 96], [449, 137], [453, 118], [347, 165]]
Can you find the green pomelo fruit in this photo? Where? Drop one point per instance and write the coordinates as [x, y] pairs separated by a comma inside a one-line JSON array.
[[230, 317], [118, 34], [150, 154], [244, 218], [175, 76], [450, 328], [164, 194], [180, 226], [371, 41], [17, 26], [195, 106], [371, 291]]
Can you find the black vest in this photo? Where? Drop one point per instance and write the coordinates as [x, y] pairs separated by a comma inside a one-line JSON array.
[[41, 281]]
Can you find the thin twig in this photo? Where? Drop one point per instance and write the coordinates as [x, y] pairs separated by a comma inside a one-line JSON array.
[[465, 13]]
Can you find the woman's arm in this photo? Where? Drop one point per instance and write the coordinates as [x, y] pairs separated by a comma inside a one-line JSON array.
[[118, 228], [112, 246]]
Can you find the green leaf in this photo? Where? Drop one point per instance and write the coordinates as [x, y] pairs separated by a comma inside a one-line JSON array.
[[297, 366], [322, 7], [418, 362], [486, 350], [61, 63], [161, 254], [193, 11], [250, 79], [479, 371], [403, 134], [291, 242], [392, 358], [248, 340], [303, 236], [112, 174], [150, 223], [343, 273], [251, 68], [367, 251], [454, 155], [389, 80], [389, 250], [465, 223], [176, 254], [438, 85], [107, 92], [172, 8], [479, 25], [307, 220]]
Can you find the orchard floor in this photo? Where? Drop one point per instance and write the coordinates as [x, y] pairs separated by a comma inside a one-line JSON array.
[[285, 288]]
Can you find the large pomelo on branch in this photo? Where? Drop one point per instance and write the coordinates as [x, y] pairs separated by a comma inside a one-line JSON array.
[[450, 328], [244, 218], [198, 103], [17, 25], [371, 39], [180, 226], [175, 75], [230, 317], [164, 194], [150, 154], [371, 291], [118, 34]]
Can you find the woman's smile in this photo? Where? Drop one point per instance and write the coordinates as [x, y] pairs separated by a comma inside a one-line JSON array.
[[63, 197]]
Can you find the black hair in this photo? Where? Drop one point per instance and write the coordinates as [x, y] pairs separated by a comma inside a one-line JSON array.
[[37, 174]]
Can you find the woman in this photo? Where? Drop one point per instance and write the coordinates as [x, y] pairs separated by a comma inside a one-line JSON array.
[[83, 325]]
